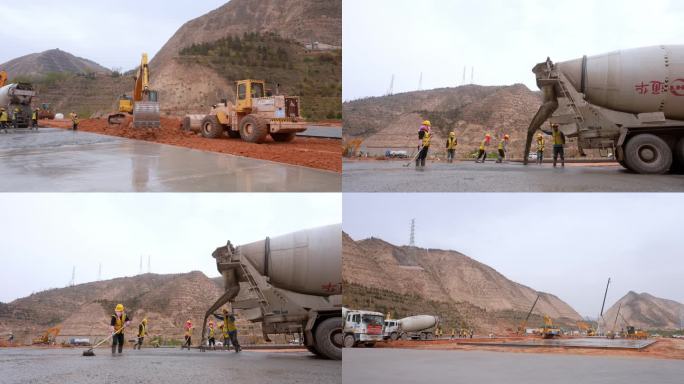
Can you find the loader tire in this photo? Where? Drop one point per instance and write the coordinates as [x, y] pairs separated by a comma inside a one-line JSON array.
[[648, 154], [211, 128], [329, 338], [283, 137], [253, 129]]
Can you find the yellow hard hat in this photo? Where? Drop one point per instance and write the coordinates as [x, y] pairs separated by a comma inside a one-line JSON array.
[[145, 320], [427, 122], [488, 135], [452, 134], [554, 125], [506, 137], [119, 308], [539, 135]]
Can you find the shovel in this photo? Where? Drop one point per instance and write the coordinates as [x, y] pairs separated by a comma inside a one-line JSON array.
[[90, 352]]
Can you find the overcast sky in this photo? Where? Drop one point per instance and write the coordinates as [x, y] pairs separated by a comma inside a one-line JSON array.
[[45, 235], [565, 244], [111, 33], [501, 39]]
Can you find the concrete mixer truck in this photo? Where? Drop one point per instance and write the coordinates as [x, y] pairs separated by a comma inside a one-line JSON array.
[[18, 96], [294, 286], [362, 328], [420, 327], [628, 103]]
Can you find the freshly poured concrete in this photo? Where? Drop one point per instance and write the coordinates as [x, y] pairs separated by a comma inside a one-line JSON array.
[[55, 160], [601, 343], [399, 366], [161, 365]]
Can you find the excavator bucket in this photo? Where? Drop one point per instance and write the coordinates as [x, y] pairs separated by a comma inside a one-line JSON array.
[[146, 114]]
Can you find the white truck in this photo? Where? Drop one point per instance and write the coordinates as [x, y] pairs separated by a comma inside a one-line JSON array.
[[362, 328], [419, 327]]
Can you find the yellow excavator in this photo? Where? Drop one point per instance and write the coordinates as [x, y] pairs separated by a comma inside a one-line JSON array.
[[586, 328], [143, 105], [548, 330], [49, 337]]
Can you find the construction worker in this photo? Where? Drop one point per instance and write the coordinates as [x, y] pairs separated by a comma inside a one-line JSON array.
[[10, 339], [503, 148], [74, 121], [451, 146], [15, 117], [4, 120], [34, 118], [540, 148], [120, 320], [212, 335], [232, 332], [482, 151], [424, 135], [558, 143], [142, 331], [188, 334], [453, 333]]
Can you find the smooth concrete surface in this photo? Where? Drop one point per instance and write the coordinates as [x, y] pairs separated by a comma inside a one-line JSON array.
[[467, 176], [161, 365], [322, 131], [600, 343], [399, 366], [56, 160]]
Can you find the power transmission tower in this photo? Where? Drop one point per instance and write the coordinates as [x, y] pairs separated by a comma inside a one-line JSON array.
[[420, 82], [73, 277], [99, 272], [464, 73], [390, 91], [140, 273], [472, 74], [412, 239], [149, 268]]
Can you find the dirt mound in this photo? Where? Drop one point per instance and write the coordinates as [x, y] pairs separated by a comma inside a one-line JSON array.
[[50, 62], [646, 311], [305, 151]]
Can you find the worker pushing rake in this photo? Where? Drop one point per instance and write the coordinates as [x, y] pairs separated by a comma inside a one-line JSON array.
[[120, 320]]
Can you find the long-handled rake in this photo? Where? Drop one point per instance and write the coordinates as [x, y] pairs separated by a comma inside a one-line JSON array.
[[90, 352]]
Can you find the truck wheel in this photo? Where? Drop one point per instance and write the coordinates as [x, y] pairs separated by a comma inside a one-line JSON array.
[[233, 134], [185, 125], [211, 128], [253, 129], [349, 341], [647, 153], [423, 336], [329, 338], [429, 336], [394, 336], [283, 137], [404, 336]]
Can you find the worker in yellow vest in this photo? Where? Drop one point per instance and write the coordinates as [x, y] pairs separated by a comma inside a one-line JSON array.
[[451, 146], [425, 136], [15, 117], [212, 335], [188, 335], [482, 151], [540, 148], [120, 320], [558, 143], [74, 121], [503, 148], [142, 331], [4, 120], [34, 118]]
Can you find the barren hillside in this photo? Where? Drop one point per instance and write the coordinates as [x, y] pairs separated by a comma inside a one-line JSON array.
[[392, 122], [85, 309], [52, 61], [645, 311], [443, 276]]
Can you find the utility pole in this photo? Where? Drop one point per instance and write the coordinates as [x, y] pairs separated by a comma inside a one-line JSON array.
[[412, 239]]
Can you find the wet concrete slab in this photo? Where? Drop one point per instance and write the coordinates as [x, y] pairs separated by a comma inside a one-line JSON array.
[[600, 343], [322, 131], [55, 160], [399, 366], [467, 176], [161, 365]]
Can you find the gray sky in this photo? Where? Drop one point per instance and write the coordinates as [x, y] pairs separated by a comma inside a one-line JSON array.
[[501, 39], [45, 235], [113, 34], [565, 244]]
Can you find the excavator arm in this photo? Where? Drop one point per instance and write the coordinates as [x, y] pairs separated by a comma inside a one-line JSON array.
[[3, 78], [142, 80]]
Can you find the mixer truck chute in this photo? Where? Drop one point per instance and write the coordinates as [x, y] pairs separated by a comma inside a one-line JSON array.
[[629, 103], [295, 286]]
